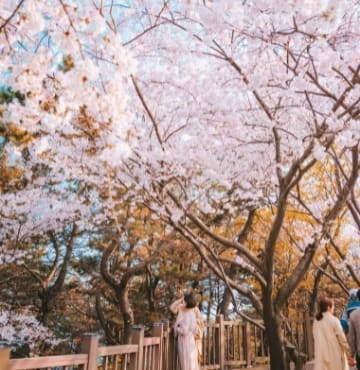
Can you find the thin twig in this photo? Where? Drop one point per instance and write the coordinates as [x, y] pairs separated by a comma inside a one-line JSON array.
[[148, 111], [12, 15]]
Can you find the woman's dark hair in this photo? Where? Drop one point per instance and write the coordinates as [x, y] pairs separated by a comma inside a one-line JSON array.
[[189, 300], [324, 304]]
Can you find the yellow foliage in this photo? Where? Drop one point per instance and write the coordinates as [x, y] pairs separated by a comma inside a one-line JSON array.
[[10, 175], [68, 63], [15, 133]]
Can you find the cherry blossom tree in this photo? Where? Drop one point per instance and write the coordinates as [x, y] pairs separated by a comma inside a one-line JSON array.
[[60, 58], [206, 110], [242, 103], [64, 114]]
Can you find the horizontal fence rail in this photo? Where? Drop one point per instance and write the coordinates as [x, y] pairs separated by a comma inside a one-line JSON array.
[[65, 362], [116, 357]]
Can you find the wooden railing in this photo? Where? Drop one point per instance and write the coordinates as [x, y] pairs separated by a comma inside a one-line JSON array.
[[226, 345], [68, 361], [144, 353], [239, 344]]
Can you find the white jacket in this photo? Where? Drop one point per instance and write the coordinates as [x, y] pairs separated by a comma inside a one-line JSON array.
[[330, 342]]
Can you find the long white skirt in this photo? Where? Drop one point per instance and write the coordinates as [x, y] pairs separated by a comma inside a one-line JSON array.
[[187, 351]]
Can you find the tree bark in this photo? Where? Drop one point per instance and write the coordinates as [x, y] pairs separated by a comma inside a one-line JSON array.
[[126, 311], [277, 350], [58, 273]]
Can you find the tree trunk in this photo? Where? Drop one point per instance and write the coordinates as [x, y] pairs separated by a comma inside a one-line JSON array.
[[127, 313], [277, 348], [227, 297], [314, 292], [151, 284]]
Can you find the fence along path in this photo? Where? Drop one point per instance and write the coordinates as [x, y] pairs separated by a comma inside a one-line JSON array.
[[226, 345]]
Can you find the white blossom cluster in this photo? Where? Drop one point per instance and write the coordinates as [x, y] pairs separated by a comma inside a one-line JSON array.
[[222, 76], [68, 63], [214, 100], [19, 328]]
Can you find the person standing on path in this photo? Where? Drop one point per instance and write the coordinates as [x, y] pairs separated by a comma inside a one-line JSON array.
[[353, 304], [354, 333], [186, 329], [330, 342]]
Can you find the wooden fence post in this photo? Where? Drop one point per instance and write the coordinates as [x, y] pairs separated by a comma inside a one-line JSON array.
[[246, 343], [137, 337], [89, 345], [308, 336], [221, 340], [4, 358], [157, 331], [165, 344], [173, 358]]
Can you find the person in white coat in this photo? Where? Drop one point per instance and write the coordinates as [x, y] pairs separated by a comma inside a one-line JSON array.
[[186, 330], [331, 346]]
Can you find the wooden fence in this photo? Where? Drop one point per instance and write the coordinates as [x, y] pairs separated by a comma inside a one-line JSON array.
[[227, 345]]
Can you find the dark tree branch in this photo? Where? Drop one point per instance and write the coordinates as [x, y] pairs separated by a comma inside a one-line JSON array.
[[12, 15]]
